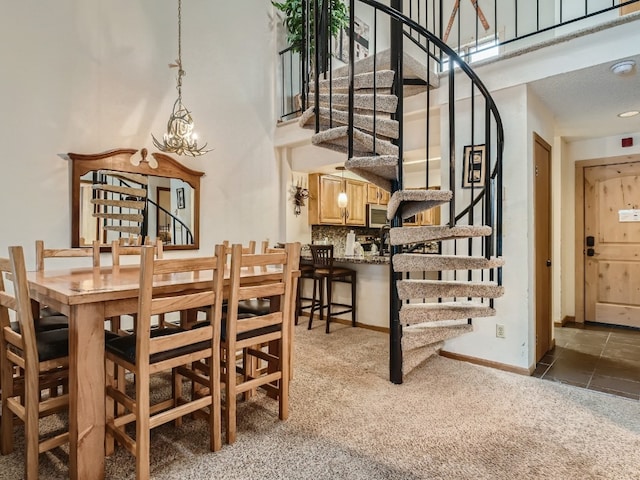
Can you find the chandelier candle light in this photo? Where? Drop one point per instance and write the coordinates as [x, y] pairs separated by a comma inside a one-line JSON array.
[[180, 137]]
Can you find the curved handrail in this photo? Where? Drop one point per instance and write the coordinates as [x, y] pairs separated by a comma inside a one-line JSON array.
[[171, 215], [464, 66]]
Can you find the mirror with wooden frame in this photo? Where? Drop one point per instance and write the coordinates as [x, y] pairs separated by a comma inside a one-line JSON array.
[[127, 196]]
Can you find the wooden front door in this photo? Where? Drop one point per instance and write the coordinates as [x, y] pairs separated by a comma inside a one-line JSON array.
[[542, 193], [612, 244]]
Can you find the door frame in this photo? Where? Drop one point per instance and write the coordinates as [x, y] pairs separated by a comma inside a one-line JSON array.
[[579, 223]]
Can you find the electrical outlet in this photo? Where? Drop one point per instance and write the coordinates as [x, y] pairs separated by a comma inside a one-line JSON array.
[[500, 330]]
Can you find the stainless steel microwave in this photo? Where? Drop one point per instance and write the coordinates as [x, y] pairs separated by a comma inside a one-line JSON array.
[[377, 216]]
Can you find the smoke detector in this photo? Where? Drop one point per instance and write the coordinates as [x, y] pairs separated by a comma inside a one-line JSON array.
[[624, 67]]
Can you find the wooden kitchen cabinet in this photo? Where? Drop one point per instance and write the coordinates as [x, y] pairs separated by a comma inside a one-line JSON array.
[[323, 201], [426, 217], [377, 195]]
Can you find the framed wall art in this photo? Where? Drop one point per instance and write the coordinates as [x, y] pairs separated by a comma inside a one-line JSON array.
[[180, 197], [474, 169]]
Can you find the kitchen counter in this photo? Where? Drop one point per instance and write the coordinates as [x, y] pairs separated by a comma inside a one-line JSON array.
[[367, 259]]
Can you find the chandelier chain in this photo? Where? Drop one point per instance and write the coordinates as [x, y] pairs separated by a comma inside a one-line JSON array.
[[181, 72]]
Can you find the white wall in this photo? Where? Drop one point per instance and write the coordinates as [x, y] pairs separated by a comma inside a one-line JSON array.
[[91, 76], [513, 309]]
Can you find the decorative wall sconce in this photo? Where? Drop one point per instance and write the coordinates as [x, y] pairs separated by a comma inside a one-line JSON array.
[[299, 193]]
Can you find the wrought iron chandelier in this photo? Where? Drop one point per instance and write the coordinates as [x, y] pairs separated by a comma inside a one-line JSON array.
[[180, 137]]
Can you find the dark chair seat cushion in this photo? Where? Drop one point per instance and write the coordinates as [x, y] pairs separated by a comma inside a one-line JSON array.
[[243, 335], [125, 347], [337, 272], [52, 322], [255, 306], [51, 344], [48, 312]]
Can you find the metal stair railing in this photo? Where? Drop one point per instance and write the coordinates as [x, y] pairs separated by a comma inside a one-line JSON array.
[[482, 205], [508, 22], [186, 234]]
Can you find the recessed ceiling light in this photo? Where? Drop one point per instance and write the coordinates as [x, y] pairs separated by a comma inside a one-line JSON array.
[[624, 67], [630, 113]]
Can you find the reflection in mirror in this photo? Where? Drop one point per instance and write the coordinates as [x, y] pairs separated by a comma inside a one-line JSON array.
[[114, 199]]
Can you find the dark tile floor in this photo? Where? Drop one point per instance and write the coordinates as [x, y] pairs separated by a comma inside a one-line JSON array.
[[596, 357]]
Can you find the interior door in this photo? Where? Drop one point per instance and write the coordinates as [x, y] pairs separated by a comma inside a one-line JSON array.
[[542, 193], [612, 244]]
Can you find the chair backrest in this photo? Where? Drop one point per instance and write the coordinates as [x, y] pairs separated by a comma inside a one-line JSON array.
[[117, 249], [322, 256], [43, 253], [265, 248], [249, 249], [20, 303], [152, 302], [279, 286]]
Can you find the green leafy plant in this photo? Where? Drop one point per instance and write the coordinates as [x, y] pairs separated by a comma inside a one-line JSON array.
[[294, 17]]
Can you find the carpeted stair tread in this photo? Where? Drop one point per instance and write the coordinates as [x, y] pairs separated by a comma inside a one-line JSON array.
[[412, 359], [383, 102], [338, 139], [410, 289], [432, 233], [413, 313], [417, 336], [383, 79], [383, 126], [379, 170], [420, 262], [412, 68], [410, 202]]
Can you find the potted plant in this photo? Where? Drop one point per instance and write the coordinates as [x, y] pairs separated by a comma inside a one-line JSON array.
[[294, 20]]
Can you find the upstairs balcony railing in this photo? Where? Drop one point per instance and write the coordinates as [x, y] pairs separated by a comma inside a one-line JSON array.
[[476, 30]]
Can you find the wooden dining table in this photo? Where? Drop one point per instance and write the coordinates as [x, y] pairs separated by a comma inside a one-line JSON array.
[[88, 296]]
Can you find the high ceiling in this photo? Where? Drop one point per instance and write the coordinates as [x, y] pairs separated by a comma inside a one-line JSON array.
[[586, 102]]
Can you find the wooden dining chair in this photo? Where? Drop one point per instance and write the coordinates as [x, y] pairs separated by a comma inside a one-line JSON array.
[[249, 335], [47, 318], [248, 307], [119, 249], [32, 363], [152, 351]]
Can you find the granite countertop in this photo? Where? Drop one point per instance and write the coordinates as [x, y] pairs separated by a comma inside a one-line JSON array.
[[367, 259]]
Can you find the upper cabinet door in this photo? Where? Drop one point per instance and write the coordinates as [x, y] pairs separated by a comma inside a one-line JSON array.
[[356, 212], [330, 188]]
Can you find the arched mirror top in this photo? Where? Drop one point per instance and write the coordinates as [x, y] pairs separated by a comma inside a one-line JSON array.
[[127, 195]]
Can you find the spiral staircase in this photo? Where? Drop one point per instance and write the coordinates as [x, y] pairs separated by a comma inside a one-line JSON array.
[[358, 109]]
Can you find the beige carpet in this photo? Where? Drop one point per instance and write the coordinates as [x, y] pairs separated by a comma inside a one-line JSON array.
[[449, 420]]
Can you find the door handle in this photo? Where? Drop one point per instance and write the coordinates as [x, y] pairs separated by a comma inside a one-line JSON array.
[[590, 252], [548, 263], [591, 241]]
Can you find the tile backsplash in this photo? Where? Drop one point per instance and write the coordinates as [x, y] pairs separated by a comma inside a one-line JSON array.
[[337, 236]]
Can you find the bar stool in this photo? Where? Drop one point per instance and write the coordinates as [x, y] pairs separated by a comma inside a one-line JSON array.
[[325, 274], [306, 272]]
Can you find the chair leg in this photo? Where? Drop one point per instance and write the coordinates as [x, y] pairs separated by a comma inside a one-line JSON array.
[[31, 430], [143, 435], [322, 287], [329, 300], [6, 421], [313, 303], [353, 299], [110, 404]]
